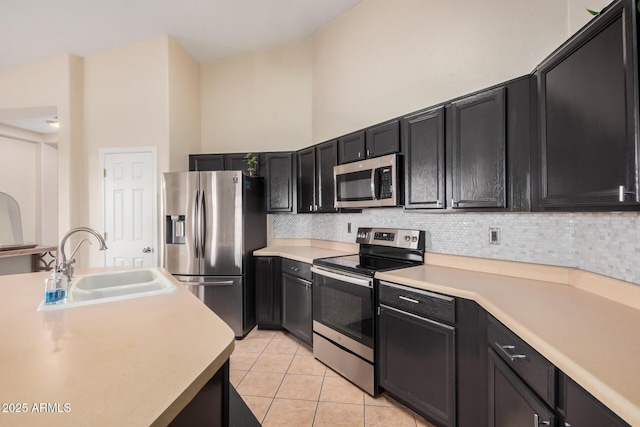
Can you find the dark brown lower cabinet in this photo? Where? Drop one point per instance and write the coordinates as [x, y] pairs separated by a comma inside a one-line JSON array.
[[297, 306], [578, 408], [417, 364], [269, 292], [511, 401], [210, 406]]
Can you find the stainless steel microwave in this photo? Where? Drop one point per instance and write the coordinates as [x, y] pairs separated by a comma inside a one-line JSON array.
[[369, 183]]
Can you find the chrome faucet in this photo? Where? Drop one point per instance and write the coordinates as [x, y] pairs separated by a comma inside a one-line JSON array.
[[62, 265]]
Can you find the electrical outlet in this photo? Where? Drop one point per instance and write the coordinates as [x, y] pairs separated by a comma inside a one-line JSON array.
[[494, 236]]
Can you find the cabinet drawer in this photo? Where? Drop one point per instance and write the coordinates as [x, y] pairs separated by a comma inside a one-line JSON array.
[[419, 302], [296, 268], [531, 366]]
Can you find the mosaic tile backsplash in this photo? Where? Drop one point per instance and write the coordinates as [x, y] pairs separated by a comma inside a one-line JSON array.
[[603, 243]]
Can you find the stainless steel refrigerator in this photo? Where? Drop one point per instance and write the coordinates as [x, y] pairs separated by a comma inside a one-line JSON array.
[[213, 221]]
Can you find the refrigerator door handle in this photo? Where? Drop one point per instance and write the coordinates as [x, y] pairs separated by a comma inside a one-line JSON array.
[[203, 224], [196, 225], [215, 283]]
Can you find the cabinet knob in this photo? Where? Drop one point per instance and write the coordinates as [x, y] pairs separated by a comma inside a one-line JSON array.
[[359, 154], [368, 153]]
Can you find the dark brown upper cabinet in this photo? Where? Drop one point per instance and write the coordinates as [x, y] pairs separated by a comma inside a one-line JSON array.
[[206, 162], [315, 178], [220, 162], [478, 149], [306, 180], [351, 148], [326, 159], [423, 139], [383, 139], [376, 141], [280, 182], [587, 155], [488, 144]]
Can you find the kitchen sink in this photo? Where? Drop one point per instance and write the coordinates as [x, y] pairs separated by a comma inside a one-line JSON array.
[[98, 288]]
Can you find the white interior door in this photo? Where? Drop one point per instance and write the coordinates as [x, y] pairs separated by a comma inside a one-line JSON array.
[[130, 209]]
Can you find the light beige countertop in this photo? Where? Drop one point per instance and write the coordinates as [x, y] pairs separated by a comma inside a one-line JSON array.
[[135, 362], [306, 250], [593, 339], [586, 324]]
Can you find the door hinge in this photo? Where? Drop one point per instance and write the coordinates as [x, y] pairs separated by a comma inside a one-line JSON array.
[[104, 173], [104, 234]]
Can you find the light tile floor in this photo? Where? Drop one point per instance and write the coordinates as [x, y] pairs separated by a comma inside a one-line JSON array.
[[283, 385]]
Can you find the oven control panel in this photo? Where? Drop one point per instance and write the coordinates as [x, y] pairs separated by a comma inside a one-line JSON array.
[[410, 239]]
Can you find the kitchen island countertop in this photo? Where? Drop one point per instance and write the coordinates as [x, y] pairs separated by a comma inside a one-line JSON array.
[[132, 362]]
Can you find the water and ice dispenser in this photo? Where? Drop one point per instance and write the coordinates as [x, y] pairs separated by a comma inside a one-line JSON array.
[[175, 230]]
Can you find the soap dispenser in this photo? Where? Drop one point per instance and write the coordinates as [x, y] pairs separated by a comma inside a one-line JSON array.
[[55, 288]]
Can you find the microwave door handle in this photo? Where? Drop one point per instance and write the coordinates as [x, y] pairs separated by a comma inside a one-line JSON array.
[[374, 184]]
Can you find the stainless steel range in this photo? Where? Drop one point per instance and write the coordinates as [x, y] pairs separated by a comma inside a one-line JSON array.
[[344, 298]]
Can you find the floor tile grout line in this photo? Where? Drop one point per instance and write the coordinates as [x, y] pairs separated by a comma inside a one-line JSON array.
[[324, 376]]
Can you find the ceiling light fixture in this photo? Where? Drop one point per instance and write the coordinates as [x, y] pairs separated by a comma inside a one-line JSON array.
[[53, 123]]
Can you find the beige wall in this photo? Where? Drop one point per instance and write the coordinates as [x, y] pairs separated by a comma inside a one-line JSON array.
[[125, 105], [184, 107], [18, 179], [258, 102], [47, 204], [49, 83], [383, 59], [578, 15]]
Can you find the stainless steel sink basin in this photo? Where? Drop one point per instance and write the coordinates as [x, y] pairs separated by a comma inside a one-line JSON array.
[[114, 286]]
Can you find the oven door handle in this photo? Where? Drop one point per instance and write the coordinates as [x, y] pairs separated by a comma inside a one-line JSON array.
[[367, 283]]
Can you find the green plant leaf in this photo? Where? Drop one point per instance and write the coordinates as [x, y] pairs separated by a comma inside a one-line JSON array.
[[638, 5], [594, 13]]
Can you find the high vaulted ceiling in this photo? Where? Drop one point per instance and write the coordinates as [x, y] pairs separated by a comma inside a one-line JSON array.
[[210, 30]]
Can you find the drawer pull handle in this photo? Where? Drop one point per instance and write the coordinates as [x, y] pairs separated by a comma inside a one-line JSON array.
[[511, 355], [538, 423], [415, 301]]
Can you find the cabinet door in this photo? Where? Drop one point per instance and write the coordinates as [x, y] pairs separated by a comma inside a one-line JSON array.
[[206, 162], [511, 402], [477, 133], [417, 364], [578, 408], [268, 292], [588, 116], [351, 148], [383, 139], [296, 308], [326, 159], [279, 182], [306, 180], [237, 162], [423, 138]]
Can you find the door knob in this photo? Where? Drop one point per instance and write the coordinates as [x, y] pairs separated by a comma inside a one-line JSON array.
[[147, 250]]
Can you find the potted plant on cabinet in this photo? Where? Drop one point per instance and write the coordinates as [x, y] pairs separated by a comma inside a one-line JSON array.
[[252, 161]]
